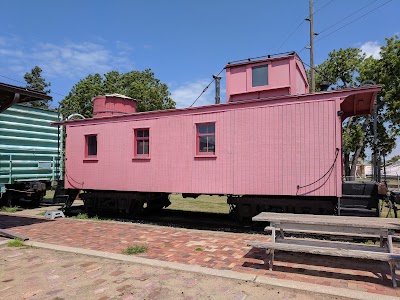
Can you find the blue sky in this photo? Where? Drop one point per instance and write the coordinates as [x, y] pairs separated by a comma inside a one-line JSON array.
[[183, 42]]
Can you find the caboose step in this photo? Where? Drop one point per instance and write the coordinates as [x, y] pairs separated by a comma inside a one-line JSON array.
[[358, 211], [357, 200], [52, 214], [357, 196]]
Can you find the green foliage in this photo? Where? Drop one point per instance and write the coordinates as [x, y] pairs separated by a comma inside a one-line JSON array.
[[35, 81], [199, 249], [15, 243], [341, 68], [9, 209], [136, 249], [394, 159], [150, 93], [81, 216], [84, 216], [350, 68], [353, 136]]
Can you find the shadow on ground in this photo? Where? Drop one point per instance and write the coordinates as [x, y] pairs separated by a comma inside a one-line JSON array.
[[292, 263], [10, 221]]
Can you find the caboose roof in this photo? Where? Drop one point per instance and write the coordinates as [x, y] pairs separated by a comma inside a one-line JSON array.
[[354, 101], [256, 60]]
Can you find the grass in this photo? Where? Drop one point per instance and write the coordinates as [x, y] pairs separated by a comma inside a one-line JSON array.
[[85, 216], [199, 249], [385, 211], [49, 194], [203, 203], [136, 249], [42, 213], [15, 243], [9, 209]]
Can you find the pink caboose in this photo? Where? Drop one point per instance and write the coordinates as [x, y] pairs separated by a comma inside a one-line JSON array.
[[272, 147]]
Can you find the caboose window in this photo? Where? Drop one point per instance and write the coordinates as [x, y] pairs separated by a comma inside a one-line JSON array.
[[91, 145], [259, 75], [206, 138], [142, 144]]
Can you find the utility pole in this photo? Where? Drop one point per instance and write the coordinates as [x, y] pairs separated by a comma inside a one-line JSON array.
[[375, 158], [217, 88], [312, 70]]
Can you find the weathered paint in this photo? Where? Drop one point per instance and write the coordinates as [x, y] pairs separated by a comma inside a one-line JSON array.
[[112, 105], [28, 144], [263, 147]]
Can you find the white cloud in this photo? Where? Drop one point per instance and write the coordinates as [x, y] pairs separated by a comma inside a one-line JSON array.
[[371, 48], [68, 59], [187, 93]]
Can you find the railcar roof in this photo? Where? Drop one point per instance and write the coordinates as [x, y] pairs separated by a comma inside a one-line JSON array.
[[357, 101], [11, 94], [255, 60]]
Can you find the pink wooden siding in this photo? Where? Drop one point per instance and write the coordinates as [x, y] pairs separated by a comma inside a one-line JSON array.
[[286, 76], [264, 147]]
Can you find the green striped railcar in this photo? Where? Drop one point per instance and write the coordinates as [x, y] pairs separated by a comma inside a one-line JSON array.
[[30, 151]]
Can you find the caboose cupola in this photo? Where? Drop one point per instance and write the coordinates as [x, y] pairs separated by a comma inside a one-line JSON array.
[[267, 77]]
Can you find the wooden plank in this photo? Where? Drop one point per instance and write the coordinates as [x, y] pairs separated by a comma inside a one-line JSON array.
[[338, 229], [328, 251], [390, 244], [321, 232], [361, 222], [10, 234]]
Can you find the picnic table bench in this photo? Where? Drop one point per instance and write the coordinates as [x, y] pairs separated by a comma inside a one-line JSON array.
[[350, 227]]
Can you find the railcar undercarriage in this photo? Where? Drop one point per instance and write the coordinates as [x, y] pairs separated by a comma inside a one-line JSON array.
[[131, 203], [358, 199], [243, 208]]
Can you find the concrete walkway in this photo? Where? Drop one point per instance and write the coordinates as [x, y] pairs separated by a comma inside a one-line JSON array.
[[208, 249], [35, 273]]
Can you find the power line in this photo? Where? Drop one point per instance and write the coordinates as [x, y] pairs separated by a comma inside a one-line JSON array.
[[345, 25], [326, 4], [290, 36], [351, 22], [206, 88], [24, 83], [345, 18], [301, 23]]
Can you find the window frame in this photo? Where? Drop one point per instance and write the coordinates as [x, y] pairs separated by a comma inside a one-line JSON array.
[[92, 157], [136, 139], [252, 77], [199, 153]]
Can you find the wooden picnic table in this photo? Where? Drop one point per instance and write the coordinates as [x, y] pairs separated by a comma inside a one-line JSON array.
[[312, 225]]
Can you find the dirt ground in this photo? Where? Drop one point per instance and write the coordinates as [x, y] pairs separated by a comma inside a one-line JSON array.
[[33, 273]]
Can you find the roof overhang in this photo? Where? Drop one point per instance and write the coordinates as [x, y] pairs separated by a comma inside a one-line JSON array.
[[11, 95], [359, 102]]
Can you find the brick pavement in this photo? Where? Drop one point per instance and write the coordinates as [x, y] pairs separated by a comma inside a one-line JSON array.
[[219, 250], [37, 273]]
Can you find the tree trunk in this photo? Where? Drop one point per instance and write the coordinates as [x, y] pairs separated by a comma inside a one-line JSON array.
[[359, 148], [346, 162], [346, 156]]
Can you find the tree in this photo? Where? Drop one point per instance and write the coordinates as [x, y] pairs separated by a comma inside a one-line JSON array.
[[150, 93], [36, 82], [393, 160], [385, 71], [349, 68], [341, 69]]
